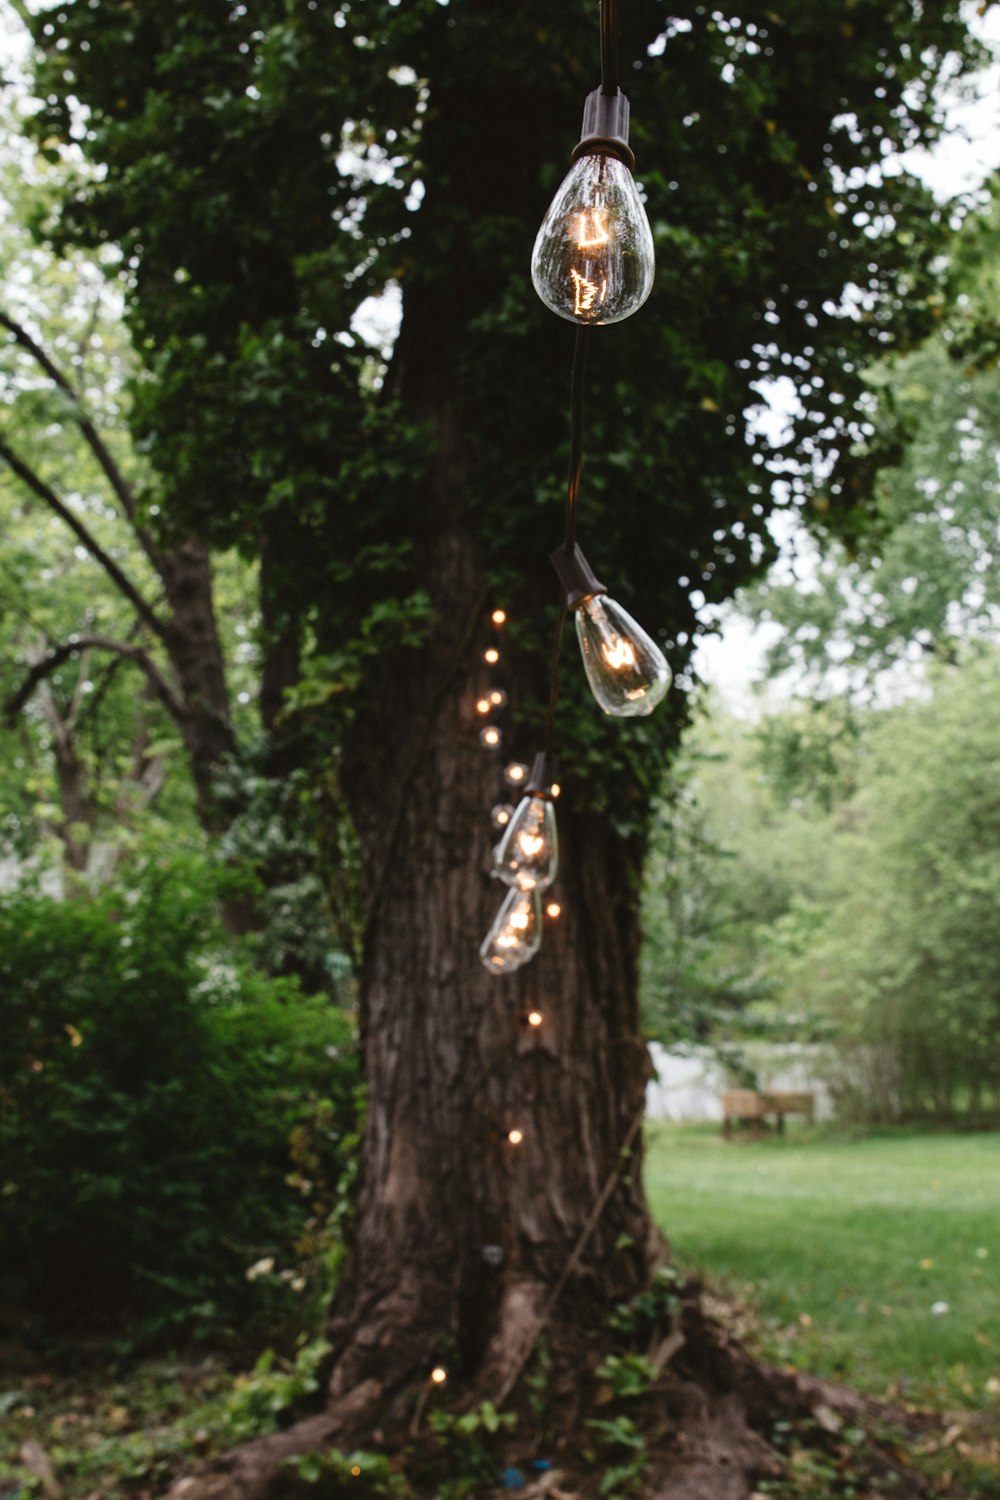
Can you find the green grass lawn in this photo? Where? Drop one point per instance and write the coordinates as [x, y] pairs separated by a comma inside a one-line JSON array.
[[843, 1247]]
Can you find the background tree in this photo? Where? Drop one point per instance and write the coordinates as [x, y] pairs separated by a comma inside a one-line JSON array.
[[923, 577], [264, 168]]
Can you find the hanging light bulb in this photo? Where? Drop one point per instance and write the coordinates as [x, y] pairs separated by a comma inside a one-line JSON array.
[[627, 671], [491, 656], [483, 705], [593, 257], [516, 934], [528, 854], [491, 737], [516, 774], [499, 617], [534, 1018], [497, 698]]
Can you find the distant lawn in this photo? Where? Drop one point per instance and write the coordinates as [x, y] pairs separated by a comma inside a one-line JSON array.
[[843, 1247]]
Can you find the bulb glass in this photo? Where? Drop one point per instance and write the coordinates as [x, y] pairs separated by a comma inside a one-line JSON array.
[[516, 933], [528, 854], [627, 671], [593, 258]]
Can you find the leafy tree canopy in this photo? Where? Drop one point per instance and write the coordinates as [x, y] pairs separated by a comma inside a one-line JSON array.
[[264, 169]]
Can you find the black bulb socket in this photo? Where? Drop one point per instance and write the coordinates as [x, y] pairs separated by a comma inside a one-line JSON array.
[[605, 127], [544, 769], [576, 575]]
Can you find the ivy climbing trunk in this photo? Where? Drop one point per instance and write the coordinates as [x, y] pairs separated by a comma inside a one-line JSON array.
[[461, 1235]]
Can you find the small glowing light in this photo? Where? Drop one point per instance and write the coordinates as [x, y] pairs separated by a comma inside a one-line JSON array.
[[355, 1470], [439, 1375], [501, 815], [520, 920], [534, 1018], [499, 617], [498, 698], [483, 706], [515, 1137], [555, 789], [553, 910], [490, 737], [516, 772], [491, 655]]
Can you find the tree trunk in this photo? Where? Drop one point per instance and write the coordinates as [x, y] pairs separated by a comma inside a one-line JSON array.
[[196, 656], [460, 1232]]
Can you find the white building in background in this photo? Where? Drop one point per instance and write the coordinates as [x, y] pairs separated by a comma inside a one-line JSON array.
[[688, 1084]]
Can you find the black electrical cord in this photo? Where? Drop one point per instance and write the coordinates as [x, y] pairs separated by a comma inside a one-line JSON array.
[[609, 85], [609, 46]]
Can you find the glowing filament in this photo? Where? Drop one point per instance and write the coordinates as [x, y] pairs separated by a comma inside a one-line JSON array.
[[586, 293], [520, 920], [596, 233], [618, 653], [531, 843]]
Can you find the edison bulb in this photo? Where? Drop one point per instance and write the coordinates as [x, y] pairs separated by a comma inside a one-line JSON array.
[[516, 934], [528, 854], [593, 257], [627, 671]]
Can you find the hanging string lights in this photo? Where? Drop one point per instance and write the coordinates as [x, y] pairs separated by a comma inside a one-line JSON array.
[[592, 264]]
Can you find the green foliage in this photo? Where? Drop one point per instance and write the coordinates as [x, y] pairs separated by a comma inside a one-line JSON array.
[[258, 178], [273, 1387], [926, 576], [906, 960], [629, 1375], [366, 1473], [624, 1475], [160, 1101], [468, 1445], [649, 1308], [742, 841], [842, 1245]]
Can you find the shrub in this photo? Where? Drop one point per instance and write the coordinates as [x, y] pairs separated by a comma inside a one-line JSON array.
[[169, 1119]]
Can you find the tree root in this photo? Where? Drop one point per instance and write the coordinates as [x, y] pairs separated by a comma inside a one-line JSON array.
[[704, 1415]]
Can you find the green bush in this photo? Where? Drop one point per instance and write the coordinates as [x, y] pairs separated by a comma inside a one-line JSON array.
[[170, 1120]]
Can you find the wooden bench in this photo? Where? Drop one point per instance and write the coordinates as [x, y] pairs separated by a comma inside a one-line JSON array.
[[751, 1107]]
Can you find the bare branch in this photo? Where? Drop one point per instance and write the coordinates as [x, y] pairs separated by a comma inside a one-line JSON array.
[[114, 475], [121, 580], [54, 659]]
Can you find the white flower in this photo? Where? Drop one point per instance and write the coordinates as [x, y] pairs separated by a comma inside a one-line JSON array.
[[939, 1308]]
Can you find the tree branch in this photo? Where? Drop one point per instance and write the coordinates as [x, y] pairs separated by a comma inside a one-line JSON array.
[[120, 579], [114, 475], [54, 659]]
